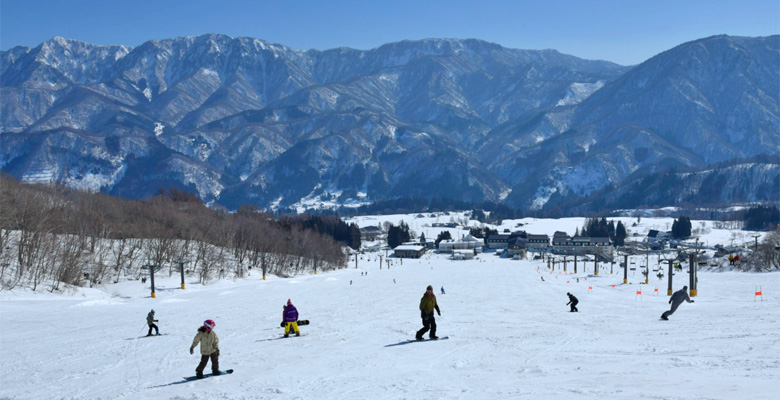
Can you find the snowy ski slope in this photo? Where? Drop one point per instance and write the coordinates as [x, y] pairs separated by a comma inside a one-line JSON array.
[[510, 336]]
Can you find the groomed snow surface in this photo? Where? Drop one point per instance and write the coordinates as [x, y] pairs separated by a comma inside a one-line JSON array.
[[510, 336]]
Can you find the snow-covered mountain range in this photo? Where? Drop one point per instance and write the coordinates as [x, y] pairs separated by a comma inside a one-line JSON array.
[[241, 120]]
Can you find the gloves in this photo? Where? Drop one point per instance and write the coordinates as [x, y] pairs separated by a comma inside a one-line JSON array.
[[191, 351], [692, 301], [438, 312]]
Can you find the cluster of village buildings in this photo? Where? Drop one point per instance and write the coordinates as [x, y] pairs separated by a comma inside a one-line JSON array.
[[515, 245]]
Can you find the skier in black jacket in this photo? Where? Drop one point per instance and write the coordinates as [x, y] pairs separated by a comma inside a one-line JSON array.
[[677, 298], [573, 301], [150, 321]]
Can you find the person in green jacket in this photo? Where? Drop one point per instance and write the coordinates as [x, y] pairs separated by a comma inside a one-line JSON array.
[[427, 305], [209, 348]]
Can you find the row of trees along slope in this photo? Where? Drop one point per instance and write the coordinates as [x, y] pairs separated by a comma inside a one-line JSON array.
[[53, 234]]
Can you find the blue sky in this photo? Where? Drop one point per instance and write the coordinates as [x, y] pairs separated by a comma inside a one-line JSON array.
[[626, 32]]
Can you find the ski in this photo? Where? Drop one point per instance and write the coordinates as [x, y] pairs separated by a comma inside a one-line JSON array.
[[194, 378], [159, 334]]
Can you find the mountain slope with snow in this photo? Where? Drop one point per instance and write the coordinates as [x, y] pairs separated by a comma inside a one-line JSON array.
[[236, 120]]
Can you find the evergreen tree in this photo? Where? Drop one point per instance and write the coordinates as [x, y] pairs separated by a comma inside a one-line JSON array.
[[762, 218], [483, 232], [620, 234], [681, 228], [444, 235], [397, 234], [478, 215], [354, 236]]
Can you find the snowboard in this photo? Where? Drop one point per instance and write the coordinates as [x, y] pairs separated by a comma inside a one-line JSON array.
[[292, 335], [194, 378], [301, 322], [429, 340]]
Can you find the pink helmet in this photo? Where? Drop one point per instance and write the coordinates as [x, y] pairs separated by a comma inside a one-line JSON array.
[[209, 324]]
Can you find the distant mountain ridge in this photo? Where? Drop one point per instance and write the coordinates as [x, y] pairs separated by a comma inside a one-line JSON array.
[[241, 120]]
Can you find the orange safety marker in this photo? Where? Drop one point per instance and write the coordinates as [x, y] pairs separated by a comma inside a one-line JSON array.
[[586, 279], [567, 281], [638, 293], [613, 286], [758, 293], [655, 292], [590, 289]]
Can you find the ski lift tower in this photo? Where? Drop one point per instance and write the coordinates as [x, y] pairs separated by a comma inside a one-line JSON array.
[[181, 270], [756, 236], [647, 260], [152, 268], [670, 259]]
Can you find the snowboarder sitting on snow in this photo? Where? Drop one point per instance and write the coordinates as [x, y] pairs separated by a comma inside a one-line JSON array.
[[677, 298], [573, 301], [150, 321], [427, 305], [290, 319], [209, 348]]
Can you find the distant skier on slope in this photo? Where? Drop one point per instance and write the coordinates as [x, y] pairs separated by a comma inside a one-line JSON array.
[[290, 318], [150, 321], [442, 290], [209, 348], [427, 305], [677, 298], [573, 301]]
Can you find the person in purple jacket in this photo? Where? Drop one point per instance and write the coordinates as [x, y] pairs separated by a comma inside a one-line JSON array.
[[290, 319]]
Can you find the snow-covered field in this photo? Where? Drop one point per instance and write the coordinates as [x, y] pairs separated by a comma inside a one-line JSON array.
[[510, 336]]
